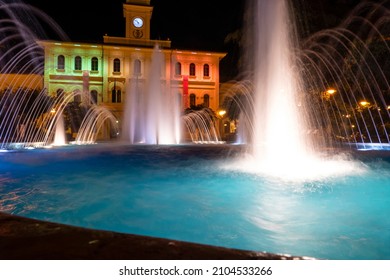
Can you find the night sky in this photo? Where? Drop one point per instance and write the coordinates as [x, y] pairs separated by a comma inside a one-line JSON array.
[[202, 26], [191, 25]]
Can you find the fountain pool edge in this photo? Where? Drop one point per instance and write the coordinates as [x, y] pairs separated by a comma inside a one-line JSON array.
[[30, 239]]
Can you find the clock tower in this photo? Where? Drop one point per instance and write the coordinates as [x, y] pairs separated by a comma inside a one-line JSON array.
[[137, 14]]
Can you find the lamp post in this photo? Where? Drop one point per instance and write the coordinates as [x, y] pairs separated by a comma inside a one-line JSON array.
[[221, 114], [328, 93]]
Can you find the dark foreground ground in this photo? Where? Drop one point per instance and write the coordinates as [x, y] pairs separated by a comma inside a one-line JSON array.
[[29, 239]]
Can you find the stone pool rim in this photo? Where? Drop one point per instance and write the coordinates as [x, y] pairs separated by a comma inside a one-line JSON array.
[[31, 239]]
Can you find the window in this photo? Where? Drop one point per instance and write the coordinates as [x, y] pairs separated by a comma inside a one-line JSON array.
[[206, 100], [61, 62], [94, 64], [178, 68], [77, 63], [117, 65], [94, 96], [192, 99], [137, 67], [116, 96], [192, 69], [206, 70]]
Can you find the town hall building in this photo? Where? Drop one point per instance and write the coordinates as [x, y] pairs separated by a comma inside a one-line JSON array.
[[107, 70]]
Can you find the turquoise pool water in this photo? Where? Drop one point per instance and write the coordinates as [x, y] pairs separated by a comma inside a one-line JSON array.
[[187, 193]]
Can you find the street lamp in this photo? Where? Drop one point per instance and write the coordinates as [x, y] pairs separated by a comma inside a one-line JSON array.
[[221, 113], [328, 93]]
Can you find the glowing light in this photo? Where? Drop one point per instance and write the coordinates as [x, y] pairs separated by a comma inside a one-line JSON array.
[[328, 93], [221, 113], [364, 103]]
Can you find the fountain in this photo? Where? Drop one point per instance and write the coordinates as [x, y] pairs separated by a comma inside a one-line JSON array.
[[292, 91], [283, 191], [59, 136], [201, 127], [92, 122], [277, 143], [29, 117], [276, 117], [152, 115]]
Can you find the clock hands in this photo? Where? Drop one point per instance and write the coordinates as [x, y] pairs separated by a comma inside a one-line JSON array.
[[138, 22]]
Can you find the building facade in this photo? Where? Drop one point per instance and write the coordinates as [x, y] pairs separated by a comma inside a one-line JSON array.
[[106, 72]]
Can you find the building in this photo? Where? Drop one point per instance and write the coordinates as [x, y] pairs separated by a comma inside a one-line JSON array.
[[107, 71]]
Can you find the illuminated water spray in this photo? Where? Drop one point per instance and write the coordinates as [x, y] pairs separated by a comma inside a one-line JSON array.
[[278, 126], [279, 143], [151, 113]]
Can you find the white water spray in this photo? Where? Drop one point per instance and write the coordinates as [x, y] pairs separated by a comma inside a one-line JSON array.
[[152, 114], [279, 145]]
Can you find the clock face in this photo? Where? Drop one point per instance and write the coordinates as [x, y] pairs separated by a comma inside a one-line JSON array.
[[138, 22]]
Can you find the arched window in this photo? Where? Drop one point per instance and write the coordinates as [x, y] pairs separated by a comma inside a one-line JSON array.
[[192, 99], [206, 100], [192, 69], [61, 62], [77, 63], [117, 65], [178, 68], [94, 96], [137, 67], [94, 64], [206, 70]]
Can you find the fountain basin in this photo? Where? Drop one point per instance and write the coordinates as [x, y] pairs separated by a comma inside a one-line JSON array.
[[190, 193]]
